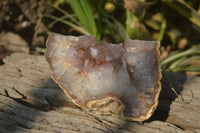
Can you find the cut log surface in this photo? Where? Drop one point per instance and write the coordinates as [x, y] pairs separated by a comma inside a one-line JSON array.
[[30, 101]]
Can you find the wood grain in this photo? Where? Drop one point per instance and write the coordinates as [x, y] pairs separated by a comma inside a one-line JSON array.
[[31, 102]]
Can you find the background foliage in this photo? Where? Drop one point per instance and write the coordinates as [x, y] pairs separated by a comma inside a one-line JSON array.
[[176, 23]]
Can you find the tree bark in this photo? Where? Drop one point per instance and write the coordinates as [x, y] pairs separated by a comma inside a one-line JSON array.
[[30, 101]]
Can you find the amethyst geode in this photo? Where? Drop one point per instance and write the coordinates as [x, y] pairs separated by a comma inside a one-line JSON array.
[[121, 80]]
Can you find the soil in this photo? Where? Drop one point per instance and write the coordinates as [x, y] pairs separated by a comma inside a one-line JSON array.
[[22, 27]]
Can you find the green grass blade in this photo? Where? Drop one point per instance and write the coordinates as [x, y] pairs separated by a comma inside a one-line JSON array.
[[85, 15], [191, 51], [76, 27], [189, 60], [162, 30], [121, 30], [183, 61], [116, 28], [98, 5], [185, 68], [184, 9], [177, 63], [132, 25], [66, 14], [63, 18]]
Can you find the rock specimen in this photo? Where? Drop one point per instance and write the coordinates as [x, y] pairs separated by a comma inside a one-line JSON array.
[[121, 80]]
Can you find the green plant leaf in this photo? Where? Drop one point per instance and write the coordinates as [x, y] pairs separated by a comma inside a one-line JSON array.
[[69, 23], [192, 51], [184, 9], [183, 61], [162, 30], [98, 5], [65, 14], [85, 15], [185, 68], [132, 25]]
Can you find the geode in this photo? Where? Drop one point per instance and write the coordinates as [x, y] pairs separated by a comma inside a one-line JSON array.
[[121, 80]]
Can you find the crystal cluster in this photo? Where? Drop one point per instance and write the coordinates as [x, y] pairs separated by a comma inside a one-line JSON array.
[[121, 80]]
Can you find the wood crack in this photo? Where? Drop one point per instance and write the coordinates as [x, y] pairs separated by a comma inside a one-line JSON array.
[[45, 108]]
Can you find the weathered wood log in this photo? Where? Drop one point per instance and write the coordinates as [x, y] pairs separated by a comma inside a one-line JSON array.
[[31, 102]]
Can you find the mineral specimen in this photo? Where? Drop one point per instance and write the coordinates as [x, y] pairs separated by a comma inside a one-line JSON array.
[[121, 80]]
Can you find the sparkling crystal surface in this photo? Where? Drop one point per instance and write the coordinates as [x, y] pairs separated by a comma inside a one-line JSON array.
[[121, 80]]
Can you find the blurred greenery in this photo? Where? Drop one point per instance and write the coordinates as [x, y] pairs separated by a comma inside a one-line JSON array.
[[176, 23]]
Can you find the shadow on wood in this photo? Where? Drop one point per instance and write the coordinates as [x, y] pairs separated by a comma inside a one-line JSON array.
[[167, 95], [31, 102]]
